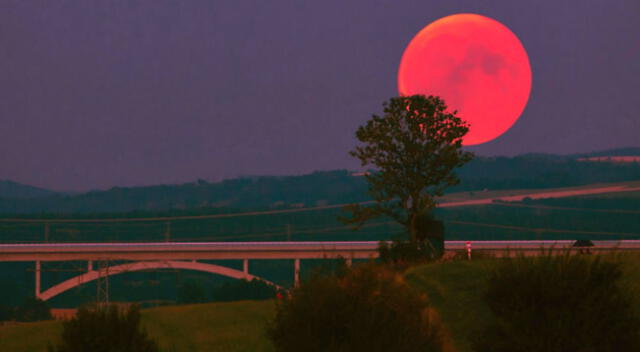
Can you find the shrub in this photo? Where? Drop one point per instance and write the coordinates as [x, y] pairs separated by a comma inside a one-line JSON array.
[[6, 313], [559, 303], [105, 329], [367, 309], [238, 290], [32, 309], [191, 291], [475, 255], [405, 252]]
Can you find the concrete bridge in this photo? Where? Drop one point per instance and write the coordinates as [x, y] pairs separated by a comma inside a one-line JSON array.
[[174, 255], [186, 255]]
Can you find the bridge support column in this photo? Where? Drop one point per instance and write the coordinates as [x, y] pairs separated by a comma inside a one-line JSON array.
[[245, 266], [89, 265], [296, 272], [349, 262], [37, 279]]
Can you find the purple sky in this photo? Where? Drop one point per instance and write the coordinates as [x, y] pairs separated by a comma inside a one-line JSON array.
[[95, 93]]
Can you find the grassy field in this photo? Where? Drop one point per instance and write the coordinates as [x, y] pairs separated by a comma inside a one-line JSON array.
[[455, 290], [320, 224], [236, 326], [463, 196]]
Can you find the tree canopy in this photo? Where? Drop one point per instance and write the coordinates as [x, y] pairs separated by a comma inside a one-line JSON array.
[[414, 148]]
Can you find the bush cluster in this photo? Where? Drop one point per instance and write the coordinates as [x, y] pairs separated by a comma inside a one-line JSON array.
[[237, 290], [559, 303], [31, 309], [193, 291], [105, 329], [369, 308], [408, 252]]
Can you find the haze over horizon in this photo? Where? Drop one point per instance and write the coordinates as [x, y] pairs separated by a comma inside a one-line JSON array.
[[100, 94]]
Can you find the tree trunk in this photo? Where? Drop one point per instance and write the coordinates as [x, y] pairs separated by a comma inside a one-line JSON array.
[[413, 228]]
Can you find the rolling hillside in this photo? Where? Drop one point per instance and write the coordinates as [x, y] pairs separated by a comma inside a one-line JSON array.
[[454, 288], [532, 171]]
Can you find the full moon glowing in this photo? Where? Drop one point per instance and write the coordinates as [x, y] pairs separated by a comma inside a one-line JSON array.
[[477, 65]]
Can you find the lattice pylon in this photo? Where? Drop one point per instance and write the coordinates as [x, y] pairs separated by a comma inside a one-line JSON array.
[[102, 283]]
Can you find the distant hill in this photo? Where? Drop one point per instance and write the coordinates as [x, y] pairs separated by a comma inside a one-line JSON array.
[[630, 151], [10, 189], [316, 189]]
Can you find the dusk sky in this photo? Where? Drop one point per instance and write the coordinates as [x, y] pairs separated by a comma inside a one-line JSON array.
[[96, 94]]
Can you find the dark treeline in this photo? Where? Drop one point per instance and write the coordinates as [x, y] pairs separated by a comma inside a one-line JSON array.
[[540, 171], [320, 188], [617, 215], [316, 189], [614, 217]]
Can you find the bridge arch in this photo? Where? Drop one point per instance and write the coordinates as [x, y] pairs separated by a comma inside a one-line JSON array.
[[147, 265]]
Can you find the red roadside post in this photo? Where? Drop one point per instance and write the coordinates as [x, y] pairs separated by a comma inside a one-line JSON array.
[[468, 250]]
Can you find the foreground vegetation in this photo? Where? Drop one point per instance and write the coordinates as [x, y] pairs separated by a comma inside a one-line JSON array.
[[105, 328], [457, 290], [237, 326], [367, 308], [602, 217], [454, 289]]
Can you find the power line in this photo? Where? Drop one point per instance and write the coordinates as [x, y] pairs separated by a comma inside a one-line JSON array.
[[175, 218], [279, 232], [551, 207], [547, 230], [484, 201]]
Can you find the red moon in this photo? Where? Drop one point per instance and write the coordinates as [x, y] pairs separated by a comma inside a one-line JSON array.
[[477, 65]]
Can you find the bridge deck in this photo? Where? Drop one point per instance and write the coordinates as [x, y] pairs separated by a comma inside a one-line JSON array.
[[254, 250], [186, 250]]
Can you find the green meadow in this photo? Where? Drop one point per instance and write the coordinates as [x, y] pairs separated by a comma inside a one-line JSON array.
[[235, 326], [454, 288]]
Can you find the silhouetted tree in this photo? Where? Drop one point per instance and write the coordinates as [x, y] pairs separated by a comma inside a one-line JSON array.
[[414, 146]]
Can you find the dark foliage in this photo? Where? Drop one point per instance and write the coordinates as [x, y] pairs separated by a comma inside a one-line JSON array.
[[32, 309], [192, 292], [583, 243], [415, 147], [429, 244], [367, 309], [6, 313], [244, 290], [331, 187], [105, 329], [405, 252], [559, 303]]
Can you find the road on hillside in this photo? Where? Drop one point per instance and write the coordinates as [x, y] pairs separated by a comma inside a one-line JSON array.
[[541, 195]]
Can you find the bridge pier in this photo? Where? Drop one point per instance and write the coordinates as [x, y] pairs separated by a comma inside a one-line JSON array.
[[37, 279], [89, 265], [296, 272], [245, 266]]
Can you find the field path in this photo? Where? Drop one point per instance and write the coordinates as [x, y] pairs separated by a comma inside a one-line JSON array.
[[559, 193]]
